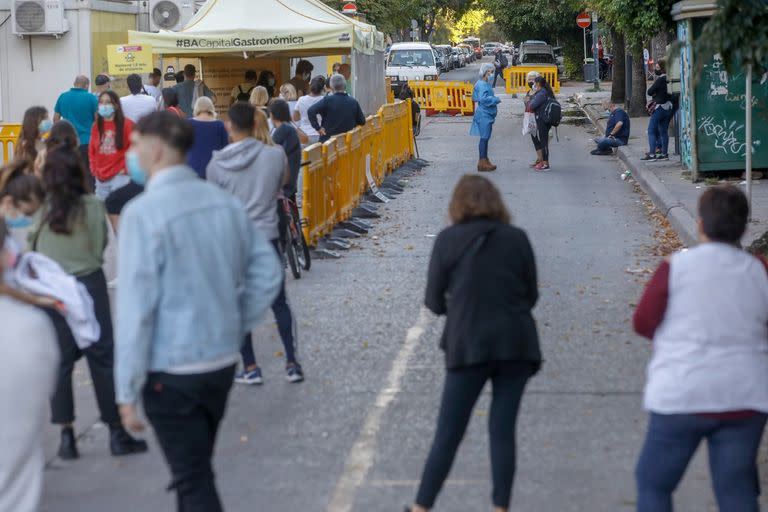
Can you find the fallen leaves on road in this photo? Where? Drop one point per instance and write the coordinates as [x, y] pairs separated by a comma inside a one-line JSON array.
[[667, 241]]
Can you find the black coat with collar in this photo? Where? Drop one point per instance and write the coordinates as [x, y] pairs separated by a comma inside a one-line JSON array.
[[487, 289]]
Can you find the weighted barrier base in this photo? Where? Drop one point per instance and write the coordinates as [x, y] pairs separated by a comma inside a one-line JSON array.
[[421, 162], [344, 233], [333, 243], [355, 226], [325, 254], [364, 211]]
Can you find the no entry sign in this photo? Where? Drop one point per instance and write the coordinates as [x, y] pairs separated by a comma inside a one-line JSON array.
[[583, 20], [349, 8]]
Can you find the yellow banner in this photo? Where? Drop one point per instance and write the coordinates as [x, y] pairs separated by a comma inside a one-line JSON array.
[[126, 59]]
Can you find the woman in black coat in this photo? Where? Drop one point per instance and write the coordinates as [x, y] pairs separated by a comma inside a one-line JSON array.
[[482, 275]]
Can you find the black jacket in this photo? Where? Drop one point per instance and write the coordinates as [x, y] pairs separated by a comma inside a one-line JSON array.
[[340, 113], [487, 293], [658, 91], [287, 137]]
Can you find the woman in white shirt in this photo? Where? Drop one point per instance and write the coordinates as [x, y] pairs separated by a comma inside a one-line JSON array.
[[316, 88], [706, 310]]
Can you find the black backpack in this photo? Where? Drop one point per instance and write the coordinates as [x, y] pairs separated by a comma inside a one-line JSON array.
[[553, 112], [244, 96]]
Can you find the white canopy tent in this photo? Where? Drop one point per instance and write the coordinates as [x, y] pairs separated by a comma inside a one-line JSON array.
[[279, 28]]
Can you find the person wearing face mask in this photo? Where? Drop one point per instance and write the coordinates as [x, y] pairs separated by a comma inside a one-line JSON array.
[[27, 349], [71, 229], [21, 195], [182, 242], [616, 130], [110, 139], [542, 93], [35, 125], [301, 80], [530, 79], [268, 81], [661, 114], [486, 107]]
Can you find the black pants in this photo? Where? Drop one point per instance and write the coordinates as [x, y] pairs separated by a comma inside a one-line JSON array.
[[100, 357], [541, 140], [185, 411], [462, 389]]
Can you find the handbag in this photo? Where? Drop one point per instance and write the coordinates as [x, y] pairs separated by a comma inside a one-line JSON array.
[[650, 107]]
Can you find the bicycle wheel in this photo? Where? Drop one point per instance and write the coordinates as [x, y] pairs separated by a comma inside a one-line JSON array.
[[290, 251], [303, 251]]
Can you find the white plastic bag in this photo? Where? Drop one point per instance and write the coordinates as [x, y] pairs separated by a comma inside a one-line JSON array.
[[529, 123]]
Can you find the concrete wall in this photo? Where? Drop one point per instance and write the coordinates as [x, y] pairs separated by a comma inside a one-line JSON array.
[[38, 76]]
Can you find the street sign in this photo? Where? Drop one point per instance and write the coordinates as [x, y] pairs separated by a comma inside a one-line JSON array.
[[349, 8], [583, 20]]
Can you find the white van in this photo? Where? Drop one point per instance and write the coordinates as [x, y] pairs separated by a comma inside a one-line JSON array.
[[411, 61]]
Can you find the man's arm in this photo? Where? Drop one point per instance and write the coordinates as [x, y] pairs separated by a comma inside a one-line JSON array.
[[139, 261], [318, 109], [359, 116], [616, 129]]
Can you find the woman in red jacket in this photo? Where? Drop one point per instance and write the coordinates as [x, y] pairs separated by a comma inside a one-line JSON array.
[[110, 139]]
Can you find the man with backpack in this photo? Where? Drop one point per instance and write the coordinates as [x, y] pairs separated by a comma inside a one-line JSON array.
[[190, 89], [242, 92], [500, 63]]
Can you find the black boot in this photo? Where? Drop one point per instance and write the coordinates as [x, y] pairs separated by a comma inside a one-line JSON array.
[[122, 443], [68, 446]]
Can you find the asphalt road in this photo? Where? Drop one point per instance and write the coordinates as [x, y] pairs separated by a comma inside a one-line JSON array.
[[354, 436]]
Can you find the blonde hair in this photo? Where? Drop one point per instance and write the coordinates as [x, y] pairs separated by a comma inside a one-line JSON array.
[[259, 96], [203, 105], [288, 92], [261, 127]]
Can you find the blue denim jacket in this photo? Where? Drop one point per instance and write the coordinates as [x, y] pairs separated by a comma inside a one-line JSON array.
[[194, 277]]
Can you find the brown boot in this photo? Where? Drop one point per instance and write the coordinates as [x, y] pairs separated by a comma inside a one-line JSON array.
[[490, 165], [484, 165]]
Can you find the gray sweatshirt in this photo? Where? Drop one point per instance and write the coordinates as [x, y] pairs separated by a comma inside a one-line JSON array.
[[254, 173]]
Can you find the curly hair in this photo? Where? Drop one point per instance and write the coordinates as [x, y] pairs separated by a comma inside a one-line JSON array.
[[65, 185], [26, 145]]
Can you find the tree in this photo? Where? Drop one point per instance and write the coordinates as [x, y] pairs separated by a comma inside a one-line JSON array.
[[618, 80], [739, 33], [637, 21]]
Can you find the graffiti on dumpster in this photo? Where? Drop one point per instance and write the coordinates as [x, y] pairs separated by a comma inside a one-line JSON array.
[[718, 76], [726, 136]]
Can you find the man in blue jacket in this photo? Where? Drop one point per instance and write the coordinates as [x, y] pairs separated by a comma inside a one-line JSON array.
[[339, 111], [195, 276], [616, 131]]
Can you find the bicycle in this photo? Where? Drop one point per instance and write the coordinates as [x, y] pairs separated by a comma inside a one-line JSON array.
[[295, 246]]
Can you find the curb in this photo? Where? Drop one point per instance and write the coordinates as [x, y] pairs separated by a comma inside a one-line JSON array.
[[678, 216]]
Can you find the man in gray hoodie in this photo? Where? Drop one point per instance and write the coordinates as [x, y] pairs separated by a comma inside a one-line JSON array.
[[255, 173]]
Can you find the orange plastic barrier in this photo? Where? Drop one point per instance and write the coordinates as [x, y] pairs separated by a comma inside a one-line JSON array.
[[335, 179], [451, 97], [515, 78]]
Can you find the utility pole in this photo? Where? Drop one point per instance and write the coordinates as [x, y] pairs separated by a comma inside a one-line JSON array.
[[595, 49]]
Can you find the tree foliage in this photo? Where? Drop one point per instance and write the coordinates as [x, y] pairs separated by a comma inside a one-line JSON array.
[[739, 33], [636, 20], [535, 19]]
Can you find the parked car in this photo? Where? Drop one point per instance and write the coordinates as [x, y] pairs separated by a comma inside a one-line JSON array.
[[536, 52], [469, 55], [447, 54], [461, 57], [439, 60], [559, 61], [411, 61], [490, 47]]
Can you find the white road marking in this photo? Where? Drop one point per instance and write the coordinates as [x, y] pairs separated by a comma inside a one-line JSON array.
[[360, 458]]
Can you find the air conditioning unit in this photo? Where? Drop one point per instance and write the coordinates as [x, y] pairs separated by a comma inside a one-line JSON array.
[[38, 18], [170, 14]]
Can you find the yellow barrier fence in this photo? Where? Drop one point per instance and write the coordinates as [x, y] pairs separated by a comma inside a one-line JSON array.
[[450, 97], [335, 179], [9, 133], [515, 78], [390, 91]]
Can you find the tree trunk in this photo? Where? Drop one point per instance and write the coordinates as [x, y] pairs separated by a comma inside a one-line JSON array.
[[639, 85], [618, 78]]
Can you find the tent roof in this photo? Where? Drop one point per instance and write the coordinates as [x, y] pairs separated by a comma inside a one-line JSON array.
[[301, 27]]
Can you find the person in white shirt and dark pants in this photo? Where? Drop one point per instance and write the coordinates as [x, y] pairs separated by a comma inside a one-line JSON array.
[[137, 104]]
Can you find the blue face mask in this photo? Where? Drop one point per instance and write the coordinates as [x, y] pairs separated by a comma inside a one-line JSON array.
[[45, 126], [20, 222], [135, 171], [106, 110]]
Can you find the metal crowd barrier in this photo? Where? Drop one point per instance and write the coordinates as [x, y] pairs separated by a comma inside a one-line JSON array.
[[515, 78], [451, 97], [9, 134], [335, 179]]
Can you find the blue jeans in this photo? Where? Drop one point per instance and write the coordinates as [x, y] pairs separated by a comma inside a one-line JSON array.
[[672, 440], [605, 143], [658, 131], [484, 144], [284, 319]]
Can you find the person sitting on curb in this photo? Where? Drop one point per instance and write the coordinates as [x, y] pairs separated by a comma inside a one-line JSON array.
[[616, 131]]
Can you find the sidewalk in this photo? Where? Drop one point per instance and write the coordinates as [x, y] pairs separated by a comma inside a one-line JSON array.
[[667, 183]]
